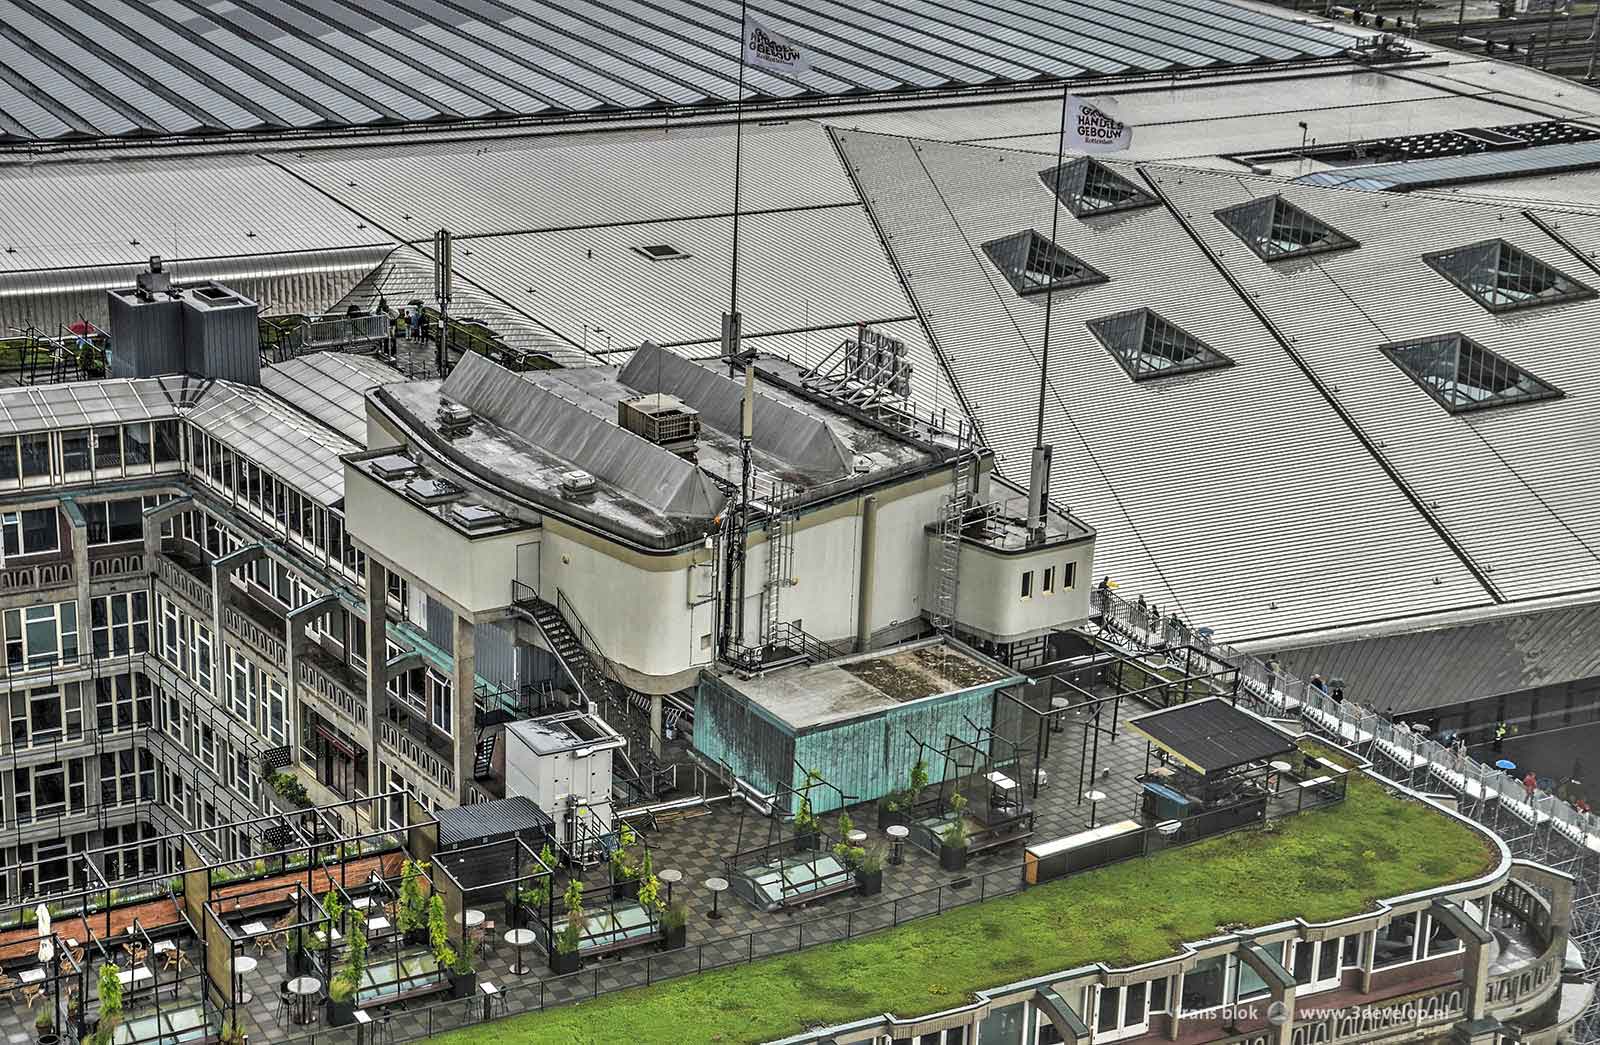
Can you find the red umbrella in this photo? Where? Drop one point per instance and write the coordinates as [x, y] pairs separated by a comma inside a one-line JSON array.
[[82, 326]]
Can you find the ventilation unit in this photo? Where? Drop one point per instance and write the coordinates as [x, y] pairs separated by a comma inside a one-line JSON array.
[[577, 485], [662, 419], [455, 420], [390, 467]]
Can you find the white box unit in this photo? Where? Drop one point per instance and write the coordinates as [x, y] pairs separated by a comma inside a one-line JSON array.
[[562, 763]]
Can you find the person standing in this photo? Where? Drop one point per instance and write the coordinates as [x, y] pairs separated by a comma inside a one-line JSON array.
[[1530, 784]]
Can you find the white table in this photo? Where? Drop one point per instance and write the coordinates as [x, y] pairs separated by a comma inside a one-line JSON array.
[[362, 902], [303, 987], [898, 832], [474, 918], [136, 976], [377, 925], [162, 946], [1000, 780], [30, 976], [256, 928], [520, 938], [241, 965]]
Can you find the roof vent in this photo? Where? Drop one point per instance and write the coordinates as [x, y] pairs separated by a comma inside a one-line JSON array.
[[432, 491], [577, 485], [455, 420], [471, 516], [392, 466], [152, 282], [662, 419], [862, 464], [660, 252]]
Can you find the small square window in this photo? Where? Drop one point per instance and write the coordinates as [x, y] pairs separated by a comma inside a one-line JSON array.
[[1027, 585], [1501, 277], [660, 252], [1047, 583]]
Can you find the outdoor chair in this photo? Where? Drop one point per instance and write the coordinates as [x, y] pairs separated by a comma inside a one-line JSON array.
[[285, 1002], [33, 992], [8, 987]]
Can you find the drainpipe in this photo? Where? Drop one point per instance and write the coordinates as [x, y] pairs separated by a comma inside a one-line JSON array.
[[869, 540]]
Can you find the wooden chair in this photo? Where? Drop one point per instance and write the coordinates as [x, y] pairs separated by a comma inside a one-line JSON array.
[[8, 988], [33, 992], [170, 959]]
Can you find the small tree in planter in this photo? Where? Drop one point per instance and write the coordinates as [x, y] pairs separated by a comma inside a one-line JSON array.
[[412, 918], [624, 868], [439, 933], [564, 958], [806, 824], [895, 807], [953, 839], [45, 1025], [531, 900], [869, 871], [233, 1034], [109, 992], [464, 971]]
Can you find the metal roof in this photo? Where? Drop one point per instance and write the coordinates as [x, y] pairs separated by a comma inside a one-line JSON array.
[[118, 68], [1405, 176], [1452, 663], [1235, 496], [1211, 735], [253, 422], [331, 387], [40, 408], [491, 820]]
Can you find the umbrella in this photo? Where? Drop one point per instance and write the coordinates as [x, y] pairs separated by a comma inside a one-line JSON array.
[[47, 949], [81, 327], [1506, 764]]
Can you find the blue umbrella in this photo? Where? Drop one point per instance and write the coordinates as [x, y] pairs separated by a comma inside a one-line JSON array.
[[1506, 764]]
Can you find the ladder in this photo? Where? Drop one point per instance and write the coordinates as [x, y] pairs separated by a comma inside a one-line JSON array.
[[780, 560], [951, 514]]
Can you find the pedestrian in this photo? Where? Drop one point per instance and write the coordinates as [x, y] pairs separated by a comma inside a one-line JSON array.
[[1273, 667], [1458, 753], [1499, 737], [1319, 685], [1530, 784]]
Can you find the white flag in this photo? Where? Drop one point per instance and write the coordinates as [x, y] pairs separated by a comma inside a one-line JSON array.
[[1094, 126], [772, 51]]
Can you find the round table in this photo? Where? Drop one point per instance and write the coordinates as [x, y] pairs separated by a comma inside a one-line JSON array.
[[718, 886], [1057, 706], [856, 837], [242, 965], [474, 918], [1278, 769], [672, 876], [519, 938], [303, 987], [898, 832], [1094, 798]]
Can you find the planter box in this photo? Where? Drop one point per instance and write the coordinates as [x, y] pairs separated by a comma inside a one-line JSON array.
[[463, 984], [562, 963], [417, 937], [953, 857], [869, 883], [805, 843], [340, 1013], [888, 818], [626, 889], [674, 939]]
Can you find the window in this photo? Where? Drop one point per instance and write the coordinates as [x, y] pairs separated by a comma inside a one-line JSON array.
[[1032, 264], [277, 714], [112, 521], [107, 450], [46, 716], [10, 468], [1247, 983], [75, 451], [127, 776], [1146, 345], [1276, 229], [1501, 277], [1396, 943], [1203, 986], [1027, 584], [167, 442], [1069, 576], [123, 702], [40, 636], [1087, 187], [660, 252], [136, 445], [120, 624], [1047, 582], [1122, 1012], [31, 532], [35, 451], [1462, 375], [439, 701], [1317, 965]]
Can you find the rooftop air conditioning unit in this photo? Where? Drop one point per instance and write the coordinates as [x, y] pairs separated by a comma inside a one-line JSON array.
[[454, 420], [664, 420], [577, 485]]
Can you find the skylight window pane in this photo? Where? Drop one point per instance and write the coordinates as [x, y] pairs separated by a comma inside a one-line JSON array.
[[1148, 346], [1087, 187], [1462, 375], [1501, 277], [1276, 229], [1032, 264]]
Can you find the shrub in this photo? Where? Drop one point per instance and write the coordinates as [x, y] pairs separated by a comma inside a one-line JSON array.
[[572, 933], [413, 909]]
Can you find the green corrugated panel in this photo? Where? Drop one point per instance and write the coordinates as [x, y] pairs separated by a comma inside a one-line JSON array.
[[730, 730]]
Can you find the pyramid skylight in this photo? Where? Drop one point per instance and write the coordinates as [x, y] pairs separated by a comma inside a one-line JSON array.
[[1032, 264], [1146, 345], [1087, 187], [1277, 230], [1463, 375], [1501, 277]]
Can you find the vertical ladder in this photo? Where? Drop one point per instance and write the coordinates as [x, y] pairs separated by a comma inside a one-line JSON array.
[[780, 559], [951, 513]]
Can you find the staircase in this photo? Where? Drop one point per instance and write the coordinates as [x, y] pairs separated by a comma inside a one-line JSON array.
[[483, 756], [595, 680]]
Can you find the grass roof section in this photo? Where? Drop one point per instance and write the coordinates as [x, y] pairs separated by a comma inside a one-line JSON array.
[[1322, 865]]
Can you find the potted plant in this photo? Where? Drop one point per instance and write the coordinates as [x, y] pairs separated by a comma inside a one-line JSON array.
[[624, 869], [412, 918], [109, 993], [343, 989], [895, 807], [341, 1007], [439, 934], [953, 839], [464, 972], [75, 1012], [806, 824], [869, 871], [45, 1025], [564, 958], [674, 925], [233, 1034]]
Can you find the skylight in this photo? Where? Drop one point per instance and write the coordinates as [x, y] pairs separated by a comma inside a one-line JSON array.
[[1147, 346], [1462, 375], [1277, 230], [1087, 187], [660, 252], [1501, 277], [1033, 265]]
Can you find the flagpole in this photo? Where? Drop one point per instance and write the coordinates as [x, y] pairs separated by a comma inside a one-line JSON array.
[[1039, 473], [738, 154]]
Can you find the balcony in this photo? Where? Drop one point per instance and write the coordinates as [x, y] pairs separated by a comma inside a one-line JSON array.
[[260, 629], [341, 690], [187, 577], [37, 577], [109, 566], [415, 743]]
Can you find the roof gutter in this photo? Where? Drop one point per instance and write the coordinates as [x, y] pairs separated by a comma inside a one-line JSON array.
[[1323, 390]]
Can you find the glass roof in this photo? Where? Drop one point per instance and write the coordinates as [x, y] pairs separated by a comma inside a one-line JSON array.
[[1462, 375], [331, 387], [1501, 277], [1087, 187], [253, 422], [1146, 345], [1032, 264], [1277, 230], [81, 404]]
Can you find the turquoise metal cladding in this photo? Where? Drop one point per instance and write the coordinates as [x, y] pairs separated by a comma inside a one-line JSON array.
[[732, 731], [870, 757]]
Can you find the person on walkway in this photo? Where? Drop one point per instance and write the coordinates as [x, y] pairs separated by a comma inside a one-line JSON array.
[[1273, 667], [1499, 737], [1530, 784]]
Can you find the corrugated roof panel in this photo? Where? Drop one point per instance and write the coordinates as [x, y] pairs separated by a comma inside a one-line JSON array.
[[1454, 170], [296, 56], [1210, 491]]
